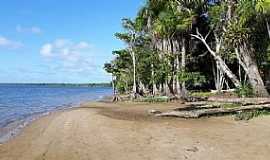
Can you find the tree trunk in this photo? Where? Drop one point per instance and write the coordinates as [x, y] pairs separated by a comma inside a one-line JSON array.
[[114, 91], [268, 28], [166, 88], [134, 91], [227, 71], [252, 71], [154, 91], [268, 72], [183, 67], [142, 88], [218, 77], [210, 110], [160, 89], [176, 67], [178, 87], [223, 66]]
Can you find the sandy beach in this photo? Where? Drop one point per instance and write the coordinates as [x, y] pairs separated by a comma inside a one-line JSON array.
[[104, 131]]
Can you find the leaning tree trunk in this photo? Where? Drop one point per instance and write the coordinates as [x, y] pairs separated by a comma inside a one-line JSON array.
[[223, 66], [225, 69], [252, 71]]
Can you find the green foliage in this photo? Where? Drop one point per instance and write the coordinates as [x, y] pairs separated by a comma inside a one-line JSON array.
[[161, 30], [263, 6], [236, 34], [244, 90], [246, 10], [268, 53], [170, 21], [152, 99], [192, 78], [215, 13], [121, 87]]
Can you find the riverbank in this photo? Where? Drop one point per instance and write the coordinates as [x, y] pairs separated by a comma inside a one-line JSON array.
[[125, 131]]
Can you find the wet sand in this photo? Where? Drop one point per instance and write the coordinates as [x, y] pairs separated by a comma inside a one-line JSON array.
[[104, 131]]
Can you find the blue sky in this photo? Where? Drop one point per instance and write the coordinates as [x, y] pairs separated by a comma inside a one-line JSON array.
[[60, 41]]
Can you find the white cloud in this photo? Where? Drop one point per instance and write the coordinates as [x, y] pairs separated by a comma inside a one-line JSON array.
[[46, 50], [7, 43], [69, 56], [83, 45], [65, 49], [33, 29]]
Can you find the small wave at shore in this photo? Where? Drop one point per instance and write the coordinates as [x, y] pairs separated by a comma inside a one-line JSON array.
[[11, 129], [20, 105]]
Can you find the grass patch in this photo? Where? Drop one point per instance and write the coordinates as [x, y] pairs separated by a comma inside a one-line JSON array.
[[152, 99], [248, 115], [230, 105]]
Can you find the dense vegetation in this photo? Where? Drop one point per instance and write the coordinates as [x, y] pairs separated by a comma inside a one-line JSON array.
[[174, 46]]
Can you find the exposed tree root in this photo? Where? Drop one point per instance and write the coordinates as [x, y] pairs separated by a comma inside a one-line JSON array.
[[117, 98]]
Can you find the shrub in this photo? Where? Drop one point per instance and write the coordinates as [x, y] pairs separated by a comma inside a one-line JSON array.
[[244, 90]]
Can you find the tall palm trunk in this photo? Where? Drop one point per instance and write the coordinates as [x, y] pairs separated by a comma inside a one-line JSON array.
[[166, 88], [178, 87], [183, 67], [154, 92], [134, 90], [252, 70]]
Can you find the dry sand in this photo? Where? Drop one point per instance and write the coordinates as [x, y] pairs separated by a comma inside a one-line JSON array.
[[103, 131]]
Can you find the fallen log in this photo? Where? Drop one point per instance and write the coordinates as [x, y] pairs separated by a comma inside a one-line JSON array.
[[242, 101], [197, 113]]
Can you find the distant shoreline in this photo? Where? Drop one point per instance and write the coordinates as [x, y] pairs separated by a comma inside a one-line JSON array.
[[62, 84]]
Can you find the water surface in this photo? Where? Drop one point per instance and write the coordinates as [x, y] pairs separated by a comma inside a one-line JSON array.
[[19, 104]]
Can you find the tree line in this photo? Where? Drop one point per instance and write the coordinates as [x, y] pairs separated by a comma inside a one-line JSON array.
[[174, 46]]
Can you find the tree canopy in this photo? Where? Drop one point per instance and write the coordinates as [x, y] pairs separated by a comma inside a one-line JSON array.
[[178, 45]]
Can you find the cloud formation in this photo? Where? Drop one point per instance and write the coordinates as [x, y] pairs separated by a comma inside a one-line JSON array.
[[33, 29], [69, 56], [10, 44]]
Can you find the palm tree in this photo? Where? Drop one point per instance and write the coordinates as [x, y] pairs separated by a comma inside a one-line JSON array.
[[132, 37]]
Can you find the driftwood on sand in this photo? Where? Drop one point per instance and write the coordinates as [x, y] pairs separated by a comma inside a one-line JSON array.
[[221, 107], [197, 113]]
